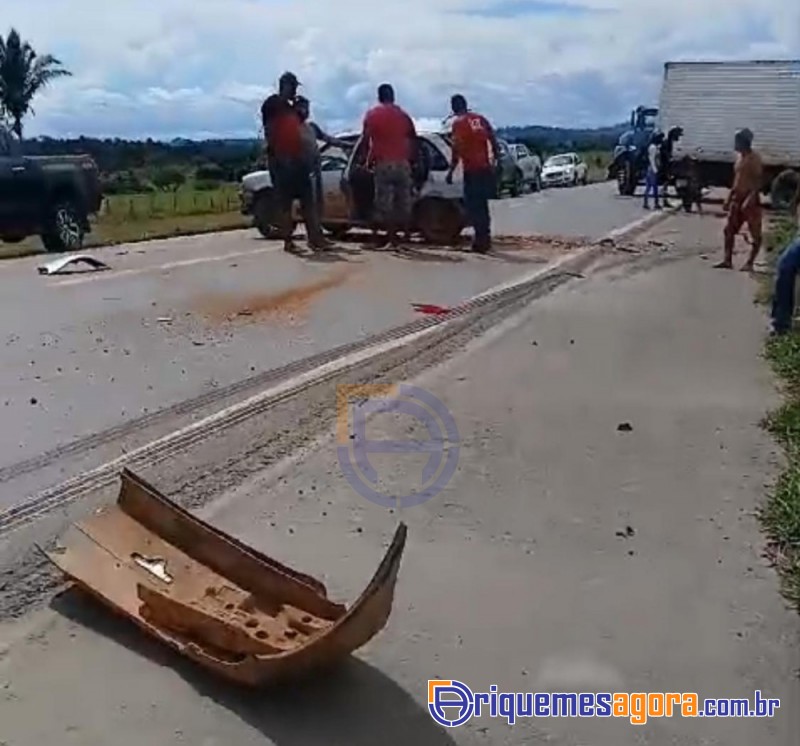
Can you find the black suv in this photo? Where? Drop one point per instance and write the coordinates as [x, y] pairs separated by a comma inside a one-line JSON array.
[[48, 196]]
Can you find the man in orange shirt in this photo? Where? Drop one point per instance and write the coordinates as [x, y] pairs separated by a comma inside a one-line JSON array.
[[743, 204], [391, 135], [472, 138]]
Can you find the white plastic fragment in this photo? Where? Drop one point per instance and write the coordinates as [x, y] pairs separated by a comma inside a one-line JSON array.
[[57, 266]]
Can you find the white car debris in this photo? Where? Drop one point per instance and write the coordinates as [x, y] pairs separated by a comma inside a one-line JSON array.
[[58, 266]]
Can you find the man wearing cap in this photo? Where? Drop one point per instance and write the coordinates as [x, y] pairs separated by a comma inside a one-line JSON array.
[[473, 138], [743, 204], [392, 137], [288, 167]]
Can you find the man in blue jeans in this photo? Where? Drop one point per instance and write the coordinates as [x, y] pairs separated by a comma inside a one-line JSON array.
[[473, 137], [653, 170], [788, 266]]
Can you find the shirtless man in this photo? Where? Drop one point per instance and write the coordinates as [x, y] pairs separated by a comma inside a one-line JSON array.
[[743, 204]]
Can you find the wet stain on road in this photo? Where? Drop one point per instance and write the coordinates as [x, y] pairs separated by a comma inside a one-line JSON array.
[[287, 305]]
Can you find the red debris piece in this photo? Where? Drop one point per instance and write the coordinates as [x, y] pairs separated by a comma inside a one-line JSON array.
[[429, 308]]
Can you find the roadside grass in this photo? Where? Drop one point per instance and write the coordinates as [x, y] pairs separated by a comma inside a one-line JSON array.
[[144, 217], [780, 513]]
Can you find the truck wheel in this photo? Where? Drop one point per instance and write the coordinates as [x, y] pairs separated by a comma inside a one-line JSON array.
[[783, 189], [626, 178], [63, 229], [439, 221], [622, 178]]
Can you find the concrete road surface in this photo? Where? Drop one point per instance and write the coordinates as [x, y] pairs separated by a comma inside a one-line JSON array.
[[566, 553], [178, 319]]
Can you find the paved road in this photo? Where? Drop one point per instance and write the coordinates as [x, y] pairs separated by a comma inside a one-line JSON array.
[[88, 352], [564, 555]]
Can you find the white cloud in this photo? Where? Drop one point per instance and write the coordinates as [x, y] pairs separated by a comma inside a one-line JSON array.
[[189, 67]]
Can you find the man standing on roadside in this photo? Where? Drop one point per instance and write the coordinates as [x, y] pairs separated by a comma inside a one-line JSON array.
[[472, 138], [665, 155], [391, 136], [786, 271], [288, 168], [743, 204], [313, 134], [653, 170]]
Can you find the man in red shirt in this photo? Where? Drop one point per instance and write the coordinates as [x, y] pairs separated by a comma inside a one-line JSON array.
[[391, 136], [473, 136], [288, 167]]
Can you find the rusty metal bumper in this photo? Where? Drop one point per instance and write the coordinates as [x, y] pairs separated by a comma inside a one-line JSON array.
[[230, 608]]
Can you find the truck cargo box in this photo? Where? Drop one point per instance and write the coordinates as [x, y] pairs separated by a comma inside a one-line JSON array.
[[712, 100]]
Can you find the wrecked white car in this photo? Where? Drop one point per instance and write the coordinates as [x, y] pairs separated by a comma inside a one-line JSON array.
[[349, 191]]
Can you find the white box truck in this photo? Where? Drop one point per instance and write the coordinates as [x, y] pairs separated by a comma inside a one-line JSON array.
[[712, 100]]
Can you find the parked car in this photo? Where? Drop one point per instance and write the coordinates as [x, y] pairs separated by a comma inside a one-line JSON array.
[[510, 178], [48, 196], [529, 164], [565, 169], [349, 193]]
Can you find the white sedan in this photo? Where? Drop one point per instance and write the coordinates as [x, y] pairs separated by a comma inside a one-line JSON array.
[[565, 169]]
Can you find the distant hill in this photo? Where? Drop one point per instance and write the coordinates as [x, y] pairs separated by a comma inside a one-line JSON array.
[[548, 139]]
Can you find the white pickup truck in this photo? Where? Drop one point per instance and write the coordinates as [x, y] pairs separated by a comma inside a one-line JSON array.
[[348, 189]]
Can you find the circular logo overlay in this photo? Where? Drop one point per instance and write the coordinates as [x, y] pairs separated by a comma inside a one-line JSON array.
[[355, 404]]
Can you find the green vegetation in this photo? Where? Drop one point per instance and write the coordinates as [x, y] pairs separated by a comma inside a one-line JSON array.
[[780, 514], [23, 74]]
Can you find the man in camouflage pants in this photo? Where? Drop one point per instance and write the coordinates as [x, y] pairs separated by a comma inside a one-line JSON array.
[[391, 136]]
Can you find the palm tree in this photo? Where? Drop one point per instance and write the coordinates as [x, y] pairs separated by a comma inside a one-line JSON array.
[[23, 73]]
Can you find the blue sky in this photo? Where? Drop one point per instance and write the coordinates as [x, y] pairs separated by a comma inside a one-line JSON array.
[[199, 68]]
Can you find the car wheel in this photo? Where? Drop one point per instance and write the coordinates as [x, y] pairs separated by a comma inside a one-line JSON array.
[[63, 230], [517, 184], [439, 221], [265, 215], [337, 232]]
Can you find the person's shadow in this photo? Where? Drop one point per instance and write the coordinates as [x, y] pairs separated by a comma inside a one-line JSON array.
[[352, 705]]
